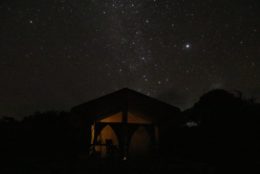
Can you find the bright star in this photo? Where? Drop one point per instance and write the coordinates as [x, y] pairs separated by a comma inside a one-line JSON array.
[[187, 45]]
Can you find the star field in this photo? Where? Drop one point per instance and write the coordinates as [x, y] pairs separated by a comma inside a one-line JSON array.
[[59, 53]]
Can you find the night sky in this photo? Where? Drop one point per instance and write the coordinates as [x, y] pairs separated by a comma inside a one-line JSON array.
[[55, 54]]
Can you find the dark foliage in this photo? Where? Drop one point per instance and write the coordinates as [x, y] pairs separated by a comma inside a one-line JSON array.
[[222, 130], [219, 133], [45, 140]]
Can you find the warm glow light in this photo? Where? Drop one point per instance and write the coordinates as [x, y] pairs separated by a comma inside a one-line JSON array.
[[116, 118], [106, 138], [137, 118]]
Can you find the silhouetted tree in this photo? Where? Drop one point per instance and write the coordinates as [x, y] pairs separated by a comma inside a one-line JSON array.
[[227, 130]]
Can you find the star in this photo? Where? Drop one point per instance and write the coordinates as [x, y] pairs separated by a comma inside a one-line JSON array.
[[154, 46], [187, 45], [147, 21]]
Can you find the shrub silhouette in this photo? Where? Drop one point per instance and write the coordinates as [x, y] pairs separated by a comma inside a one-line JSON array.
[[227, 131]]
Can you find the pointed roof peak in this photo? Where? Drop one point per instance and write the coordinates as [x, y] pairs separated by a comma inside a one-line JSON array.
[[126, 89], [125, 98]]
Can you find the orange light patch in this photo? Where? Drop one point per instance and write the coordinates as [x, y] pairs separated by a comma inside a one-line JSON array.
[[116, 118], [138, 118]]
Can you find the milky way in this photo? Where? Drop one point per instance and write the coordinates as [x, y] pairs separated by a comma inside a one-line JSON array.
[[59, 53]]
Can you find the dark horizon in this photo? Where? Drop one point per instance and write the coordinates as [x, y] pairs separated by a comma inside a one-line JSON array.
[[236, 93]]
